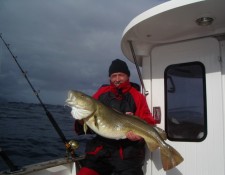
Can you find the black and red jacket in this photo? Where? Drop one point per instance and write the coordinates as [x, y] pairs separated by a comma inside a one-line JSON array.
[[125, 98]]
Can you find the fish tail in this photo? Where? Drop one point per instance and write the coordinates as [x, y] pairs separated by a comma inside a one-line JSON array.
[[170, 157]]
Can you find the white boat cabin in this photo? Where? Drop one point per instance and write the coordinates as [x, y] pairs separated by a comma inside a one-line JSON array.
[[180, 47]]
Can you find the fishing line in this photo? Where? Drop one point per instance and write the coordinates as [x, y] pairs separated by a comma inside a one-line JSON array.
[[49, 115]]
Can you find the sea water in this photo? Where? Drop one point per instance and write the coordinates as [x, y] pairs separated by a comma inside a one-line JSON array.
[[27, 136]]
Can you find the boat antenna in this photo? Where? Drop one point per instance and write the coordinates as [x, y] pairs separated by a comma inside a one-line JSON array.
[[137, 67], [49, 115]]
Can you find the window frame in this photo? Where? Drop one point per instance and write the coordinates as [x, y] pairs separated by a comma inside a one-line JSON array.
[[166, 91]]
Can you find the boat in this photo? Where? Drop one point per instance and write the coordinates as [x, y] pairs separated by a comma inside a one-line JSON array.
[[180, 48]]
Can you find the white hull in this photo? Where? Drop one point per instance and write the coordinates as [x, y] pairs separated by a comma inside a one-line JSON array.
[[54, 167]]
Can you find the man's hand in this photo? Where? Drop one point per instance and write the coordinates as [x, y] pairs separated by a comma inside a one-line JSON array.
[[130, 135], [133, 137]]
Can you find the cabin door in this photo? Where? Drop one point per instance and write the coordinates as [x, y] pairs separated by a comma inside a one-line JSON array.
[[187, 86]]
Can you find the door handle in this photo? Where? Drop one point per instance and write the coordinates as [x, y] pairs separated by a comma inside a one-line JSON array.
[[157, 114]]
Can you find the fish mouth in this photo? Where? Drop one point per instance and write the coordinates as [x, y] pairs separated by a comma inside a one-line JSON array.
[[71, 99], [70, 102]]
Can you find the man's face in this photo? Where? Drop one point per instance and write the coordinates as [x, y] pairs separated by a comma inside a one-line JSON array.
[[118, 78]]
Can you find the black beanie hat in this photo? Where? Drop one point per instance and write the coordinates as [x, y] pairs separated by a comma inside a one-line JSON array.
[[118, 66]]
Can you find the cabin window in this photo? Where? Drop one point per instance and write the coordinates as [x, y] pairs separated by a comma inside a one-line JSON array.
[[185, 103]]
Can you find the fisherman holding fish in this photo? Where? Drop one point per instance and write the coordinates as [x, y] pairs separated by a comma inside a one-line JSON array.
[[105, 156]]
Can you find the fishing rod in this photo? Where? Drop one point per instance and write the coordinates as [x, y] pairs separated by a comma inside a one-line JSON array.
[[7, 160], [69, 145]]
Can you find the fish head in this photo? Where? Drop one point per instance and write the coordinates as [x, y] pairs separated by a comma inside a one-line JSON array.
[[82, 105]]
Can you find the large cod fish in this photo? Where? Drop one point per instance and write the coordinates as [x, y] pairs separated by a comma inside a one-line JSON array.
[[114, 125]]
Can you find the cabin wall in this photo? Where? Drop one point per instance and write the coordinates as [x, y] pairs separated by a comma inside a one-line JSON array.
[[146, 72], [200, 158], [222, 46]]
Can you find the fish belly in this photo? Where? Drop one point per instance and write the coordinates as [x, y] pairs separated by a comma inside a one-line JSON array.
[[107, 130]]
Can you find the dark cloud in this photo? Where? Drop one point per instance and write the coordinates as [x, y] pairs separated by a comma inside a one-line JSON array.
[[62, 45]]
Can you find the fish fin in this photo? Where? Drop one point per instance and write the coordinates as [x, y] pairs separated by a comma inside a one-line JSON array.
[[96, 121], [161, 132], [85, 128], [170, 158], [152, 146]]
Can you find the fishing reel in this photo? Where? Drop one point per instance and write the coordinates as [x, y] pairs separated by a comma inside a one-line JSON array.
[[71, 147], [74, 144]]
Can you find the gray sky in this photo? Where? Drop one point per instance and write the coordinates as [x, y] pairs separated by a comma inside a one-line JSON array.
[[62, 44]]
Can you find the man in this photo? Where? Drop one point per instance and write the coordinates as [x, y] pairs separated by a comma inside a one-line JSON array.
[[121, 157]]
